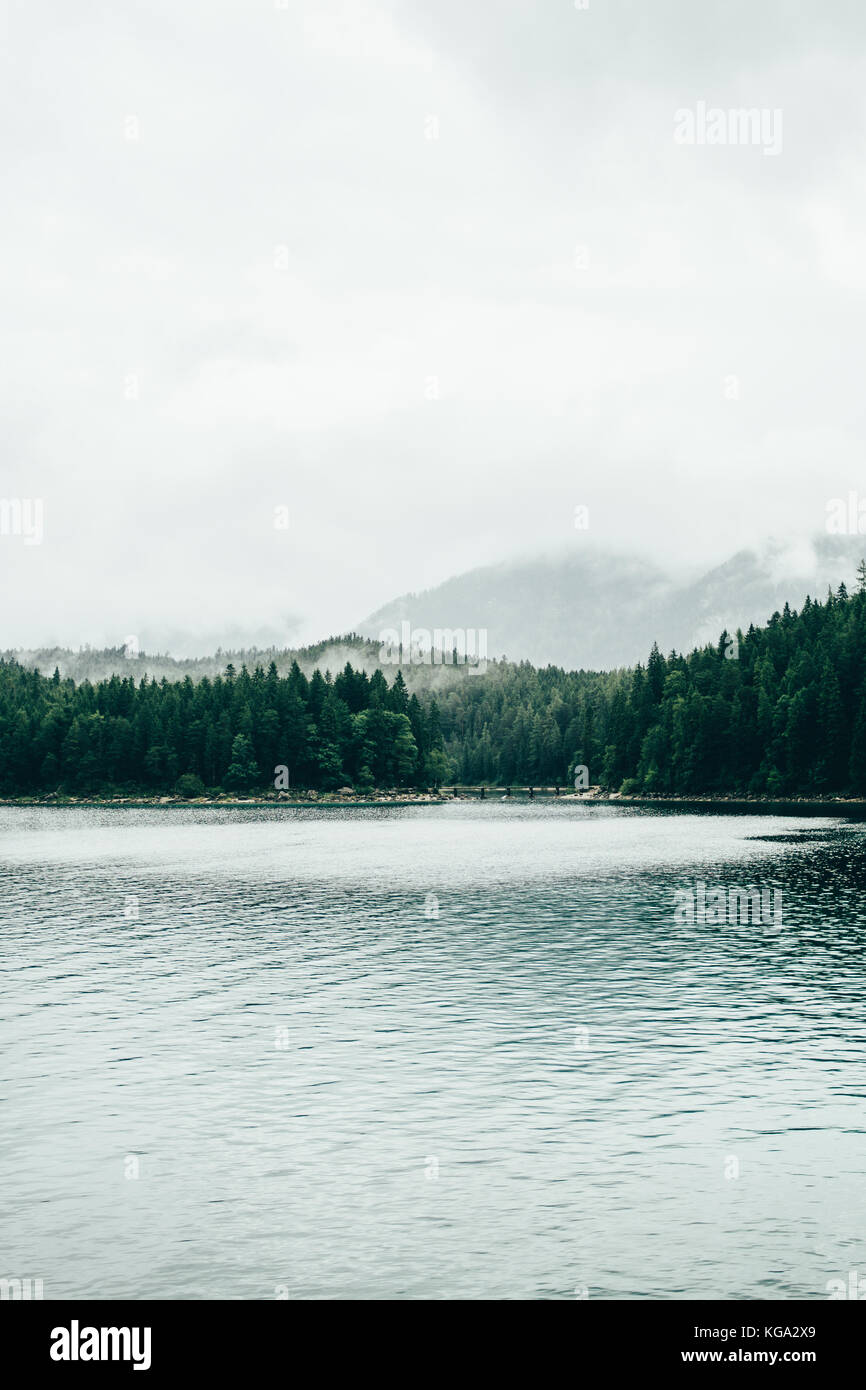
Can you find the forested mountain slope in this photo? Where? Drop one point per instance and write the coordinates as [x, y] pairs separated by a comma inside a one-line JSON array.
[[780, 709]]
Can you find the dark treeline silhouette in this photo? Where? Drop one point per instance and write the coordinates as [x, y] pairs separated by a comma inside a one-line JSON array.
[[230, 733], [780, 710]]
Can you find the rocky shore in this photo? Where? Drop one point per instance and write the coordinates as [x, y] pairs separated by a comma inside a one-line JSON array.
[[348, 796]]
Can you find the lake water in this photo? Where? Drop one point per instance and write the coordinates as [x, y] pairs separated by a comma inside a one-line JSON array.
[[443, 1051]]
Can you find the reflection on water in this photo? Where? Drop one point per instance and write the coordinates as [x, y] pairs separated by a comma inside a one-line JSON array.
[[445, 1051]]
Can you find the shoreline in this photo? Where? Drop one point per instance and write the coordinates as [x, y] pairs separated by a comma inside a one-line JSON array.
[[205, 805], [800, 805]]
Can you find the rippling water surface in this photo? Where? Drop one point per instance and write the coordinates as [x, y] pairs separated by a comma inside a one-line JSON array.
[[243, 1056]]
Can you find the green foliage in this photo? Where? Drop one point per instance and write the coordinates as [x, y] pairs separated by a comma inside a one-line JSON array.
[[243, 770], [785, 716], [232, 732], [781, 711], [190, 785], [777, 711]]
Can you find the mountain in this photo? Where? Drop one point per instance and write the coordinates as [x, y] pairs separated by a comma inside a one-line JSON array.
[[591, 611], [597, 612]]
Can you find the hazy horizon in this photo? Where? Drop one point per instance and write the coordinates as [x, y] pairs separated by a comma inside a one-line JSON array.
[[426, 282]]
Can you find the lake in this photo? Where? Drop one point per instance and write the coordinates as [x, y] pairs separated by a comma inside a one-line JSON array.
[[446, 1051]]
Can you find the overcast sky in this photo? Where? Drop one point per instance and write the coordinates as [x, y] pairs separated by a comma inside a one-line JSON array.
[[429, 276]]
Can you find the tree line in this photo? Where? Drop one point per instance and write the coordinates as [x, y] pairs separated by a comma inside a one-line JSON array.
[[232, 733], [779, 710]]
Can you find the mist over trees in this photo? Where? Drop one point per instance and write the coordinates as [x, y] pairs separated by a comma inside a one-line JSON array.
[[780, 710]]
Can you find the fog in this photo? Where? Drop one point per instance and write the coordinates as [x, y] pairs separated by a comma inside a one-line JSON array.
[[305, 307]]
